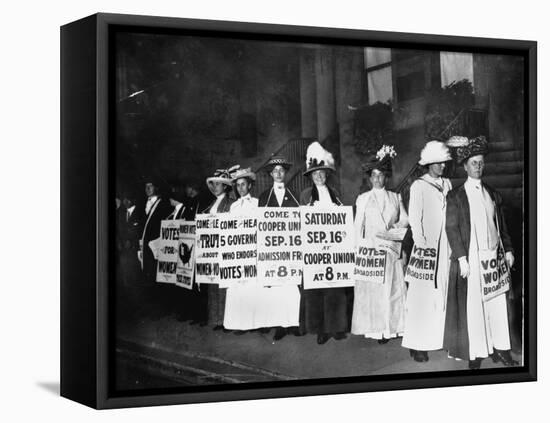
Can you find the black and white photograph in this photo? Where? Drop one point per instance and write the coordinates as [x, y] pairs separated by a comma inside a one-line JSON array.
[[291, 211]]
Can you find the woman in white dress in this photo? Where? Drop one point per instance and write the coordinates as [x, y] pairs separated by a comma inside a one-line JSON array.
[[251, 306], [379, 308], [426, 301]]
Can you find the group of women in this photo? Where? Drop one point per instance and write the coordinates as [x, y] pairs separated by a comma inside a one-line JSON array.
[[414, 311]]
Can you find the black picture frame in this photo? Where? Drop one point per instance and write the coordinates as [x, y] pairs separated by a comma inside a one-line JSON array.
[[87, 182]]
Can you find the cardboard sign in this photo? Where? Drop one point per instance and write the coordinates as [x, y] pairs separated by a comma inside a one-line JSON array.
[[279, 246], [495, 274], [168, 251], [422, 267], [207, 245], [186, 255], [328, 246], [238, 252], [370, 264]]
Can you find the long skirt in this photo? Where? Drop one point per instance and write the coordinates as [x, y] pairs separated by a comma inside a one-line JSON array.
[[326, 310], [252, 307], [487, 321], [216, 304], [379, 309]]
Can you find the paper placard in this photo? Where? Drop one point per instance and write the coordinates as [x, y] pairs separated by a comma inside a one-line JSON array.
[[186, 254], [328, 246], [238, 250], [168, 251], [279, 246]]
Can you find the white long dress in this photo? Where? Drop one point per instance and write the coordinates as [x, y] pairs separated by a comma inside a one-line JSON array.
[[251, 306], [379, 309], [487, 321], [425, 307]]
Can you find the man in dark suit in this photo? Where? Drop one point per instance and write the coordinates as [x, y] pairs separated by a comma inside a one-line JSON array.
[[475, 327], [155, 210]]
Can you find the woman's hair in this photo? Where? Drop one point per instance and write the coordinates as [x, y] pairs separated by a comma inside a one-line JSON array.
[[250, 182]]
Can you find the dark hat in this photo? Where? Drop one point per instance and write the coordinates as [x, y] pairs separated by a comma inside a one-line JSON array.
[[277, 161], [475, 147], [381, 160]]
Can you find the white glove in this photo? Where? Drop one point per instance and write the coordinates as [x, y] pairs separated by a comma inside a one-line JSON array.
[[464, 267], [510, 259]]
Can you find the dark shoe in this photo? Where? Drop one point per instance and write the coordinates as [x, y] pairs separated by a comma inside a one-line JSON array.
[[420, 356], [264, 330], [383, 341], [475, 364], [504, 357], [218, 327], [339, 336], [295, 331], [322, 338], [280, 333], [202, 324], [224, 330], [239, 332]]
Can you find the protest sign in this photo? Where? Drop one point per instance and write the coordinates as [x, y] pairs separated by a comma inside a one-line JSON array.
[[370, 263], [168, 251], [186, 255], [237, 250], [328, 246], [495, 274], [279, 246], [422, 267], [207, 244]]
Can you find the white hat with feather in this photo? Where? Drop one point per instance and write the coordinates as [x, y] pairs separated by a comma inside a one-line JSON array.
[[318, 158]]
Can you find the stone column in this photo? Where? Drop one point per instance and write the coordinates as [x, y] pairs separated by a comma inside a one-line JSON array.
[[308, 96]]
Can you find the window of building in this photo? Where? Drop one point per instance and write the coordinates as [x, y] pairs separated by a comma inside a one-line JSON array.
[[379, 75], [456, 67]]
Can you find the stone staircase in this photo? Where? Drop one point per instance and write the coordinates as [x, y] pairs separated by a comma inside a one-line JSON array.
[[504, 167]]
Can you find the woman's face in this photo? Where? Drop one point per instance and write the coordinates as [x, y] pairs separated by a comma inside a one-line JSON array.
[[243, 186], [377, 179], [217, 188], [319, 177], [436, 169], [278, 173]]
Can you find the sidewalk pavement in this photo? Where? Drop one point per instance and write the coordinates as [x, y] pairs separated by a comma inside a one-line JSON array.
[[193, 354]]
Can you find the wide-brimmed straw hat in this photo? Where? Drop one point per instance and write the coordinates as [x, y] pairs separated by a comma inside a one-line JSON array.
[[318, 158], [237, 173], [475, 147], [220, 175], [434, 152]]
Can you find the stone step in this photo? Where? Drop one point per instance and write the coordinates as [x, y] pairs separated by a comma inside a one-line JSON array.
[[504, 156], [503, 168], [497, 146]]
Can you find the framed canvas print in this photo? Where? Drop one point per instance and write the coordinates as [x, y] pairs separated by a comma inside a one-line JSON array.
[[257, 211]]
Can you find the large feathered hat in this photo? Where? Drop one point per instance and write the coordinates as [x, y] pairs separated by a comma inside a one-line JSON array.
[[475, 147], [381, 160], [220, 175], [318, 158]]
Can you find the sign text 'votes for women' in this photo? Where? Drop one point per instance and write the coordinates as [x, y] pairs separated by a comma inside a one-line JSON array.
[[168, 251]]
